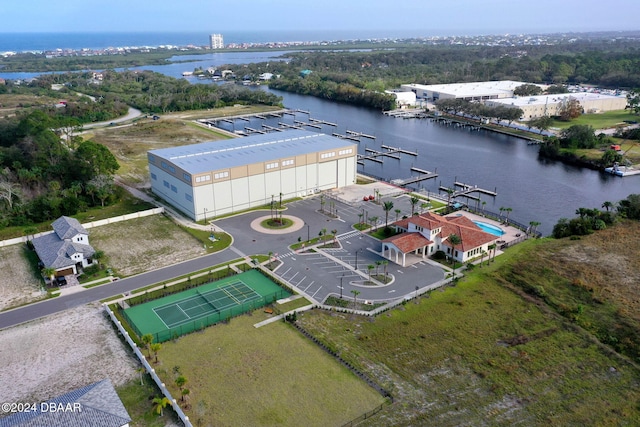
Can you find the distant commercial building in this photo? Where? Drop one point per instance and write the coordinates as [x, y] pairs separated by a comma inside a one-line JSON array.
[[404, 99], [549, 105], [475, 91], [220, 177], [216, 41]]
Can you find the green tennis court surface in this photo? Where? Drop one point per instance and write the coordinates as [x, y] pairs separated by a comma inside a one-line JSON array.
[[196, 308]]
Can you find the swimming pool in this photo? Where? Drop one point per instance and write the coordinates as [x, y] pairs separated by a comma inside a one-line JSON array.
[[492, 229]]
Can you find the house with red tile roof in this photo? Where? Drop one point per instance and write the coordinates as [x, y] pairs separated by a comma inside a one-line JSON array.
[[423, 235]]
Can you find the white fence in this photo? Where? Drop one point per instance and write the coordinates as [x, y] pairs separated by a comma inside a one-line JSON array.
[[174, 404], [141, 214]]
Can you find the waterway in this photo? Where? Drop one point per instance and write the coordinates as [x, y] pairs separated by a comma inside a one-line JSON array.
[[535, 189]]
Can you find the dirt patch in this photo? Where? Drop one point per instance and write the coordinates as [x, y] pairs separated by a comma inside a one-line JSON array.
[[127, 253], [18, 283], [68, 350]]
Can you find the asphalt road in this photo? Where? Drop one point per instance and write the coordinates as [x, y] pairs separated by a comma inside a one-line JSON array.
[[317, 275], [61, 303]]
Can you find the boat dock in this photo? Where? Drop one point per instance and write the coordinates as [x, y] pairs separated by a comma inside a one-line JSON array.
[[322, 122], [424, 175], [399, 150], [467, 190], [364, 135], [298, 122]]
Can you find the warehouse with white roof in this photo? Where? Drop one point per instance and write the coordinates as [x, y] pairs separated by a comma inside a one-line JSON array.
[[220, 177], [474, 91], [550, 105]]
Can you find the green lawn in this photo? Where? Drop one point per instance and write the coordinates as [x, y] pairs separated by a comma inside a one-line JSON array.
[[128, 204], [481, 354], [241, 375], [605, 120]]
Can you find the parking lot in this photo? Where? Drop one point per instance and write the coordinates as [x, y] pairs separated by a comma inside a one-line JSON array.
[[332, 271]]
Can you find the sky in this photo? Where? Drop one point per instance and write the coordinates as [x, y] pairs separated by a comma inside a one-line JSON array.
[[428, 17]]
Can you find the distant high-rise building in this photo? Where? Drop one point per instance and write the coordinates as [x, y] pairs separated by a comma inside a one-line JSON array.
[[216, 41]]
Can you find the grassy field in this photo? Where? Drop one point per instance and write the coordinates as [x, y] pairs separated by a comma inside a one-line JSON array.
[[604, 120], [241, 375], [130, 143], [631, 150], [519, 342]]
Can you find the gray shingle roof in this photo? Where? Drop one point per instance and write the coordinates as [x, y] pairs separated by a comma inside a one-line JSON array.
[[55, 249], [99, 406], [66, 227], [56, 253]]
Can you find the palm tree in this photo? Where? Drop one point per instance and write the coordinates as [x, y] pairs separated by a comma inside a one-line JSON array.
[[501, 210], [322, 202], [355, 295], [533, 225], [378, 264], [141, 370], [373, 220], [98, 255], [180, 382], [397, 211], [370, 268], [508, 210], [155, 347], [387, 206], [360, 216], [492, 247], [482, 254], [335, 235], [147, 339], [49, 272], [454, 240], [385, 263], [483, 204], [449, 194], [414, 201], [607, 205], [160, 403]]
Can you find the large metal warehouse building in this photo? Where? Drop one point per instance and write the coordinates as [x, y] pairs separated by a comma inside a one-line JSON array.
[[221, 177], [550, 105], [474, 91]]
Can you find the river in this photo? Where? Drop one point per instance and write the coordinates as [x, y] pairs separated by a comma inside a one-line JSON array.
[[535, 189]]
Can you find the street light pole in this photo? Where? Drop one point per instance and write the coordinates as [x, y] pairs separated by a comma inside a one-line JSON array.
[[308, 236], [357, 258], [205, 215], [341, 277]]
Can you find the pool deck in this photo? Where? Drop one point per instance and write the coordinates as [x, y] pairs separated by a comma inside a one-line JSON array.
[[511, 234]]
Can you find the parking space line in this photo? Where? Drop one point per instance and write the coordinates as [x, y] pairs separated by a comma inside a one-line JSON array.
[[310, 284], [314, 294], [291, 279]]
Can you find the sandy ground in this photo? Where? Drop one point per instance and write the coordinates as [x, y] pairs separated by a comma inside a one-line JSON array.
[[54, 355], [18, 284], [163, 244]]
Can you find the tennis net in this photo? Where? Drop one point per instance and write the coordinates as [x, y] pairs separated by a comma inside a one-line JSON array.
[[209, 299]]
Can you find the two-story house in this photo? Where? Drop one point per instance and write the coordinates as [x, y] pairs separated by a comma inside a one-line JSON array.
[[423, 235], [67, 249]]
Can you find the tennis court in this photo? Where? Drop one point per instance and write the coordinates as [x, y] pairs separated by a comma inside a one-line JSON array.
[[205, 305]]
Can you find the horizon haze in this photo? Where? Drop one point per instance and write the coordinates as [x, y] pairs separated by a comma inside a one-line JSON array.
[[411, 18]]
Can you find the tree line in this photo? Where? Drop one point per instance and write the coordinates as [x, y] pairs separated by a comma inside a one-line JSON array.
[[590, 220], [156, 93], [43, 176], [602, 62]]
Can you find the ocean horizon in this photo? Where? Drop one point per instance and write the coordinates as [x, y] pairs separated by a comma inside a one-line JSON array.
[[37, 42]]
